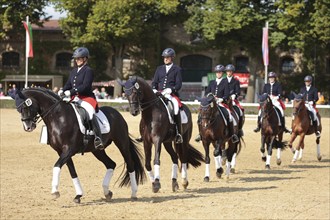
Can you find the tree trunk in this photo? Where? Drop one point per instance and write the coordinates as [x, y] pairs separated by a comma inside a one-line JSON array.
[[251, 87]]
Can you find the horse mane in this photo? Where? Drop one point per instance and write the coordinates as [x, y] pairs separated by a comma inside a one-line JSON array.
[[48, 92]]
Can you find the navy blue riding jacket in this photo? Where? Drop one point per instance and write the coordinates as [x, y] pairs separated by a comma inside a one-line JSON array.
[[234, 87], [275, 90], [310, 95], [220, 91], [172, 79], [80, 83]]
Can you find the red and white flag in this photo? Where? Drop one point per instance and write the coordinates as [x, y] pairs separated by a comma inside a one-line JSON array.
[[265, 51], [29, 42]]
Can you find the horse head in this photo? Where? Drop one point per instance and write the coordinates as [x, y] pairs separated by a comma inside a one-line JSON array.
[[28, 108], [265, 103], [298, 103], [207, 110], [133, 94]]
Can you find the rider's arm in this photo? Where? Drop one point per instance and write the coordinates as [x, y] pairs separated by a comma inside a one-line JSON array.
[[178, 80]]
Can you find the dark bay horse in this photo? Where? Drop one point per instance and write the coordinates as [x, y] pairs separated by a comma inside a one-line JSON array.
[[65, 137], [301, 126], [213, 129], [156, 129], [271, 131]]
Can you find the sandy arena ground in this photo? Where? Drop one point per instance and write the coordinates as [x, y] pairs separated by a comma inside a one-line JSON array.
[[288, 191]]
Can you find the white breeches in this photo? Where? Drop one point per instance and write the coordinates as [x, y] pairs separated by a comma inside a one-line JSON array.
[[175, 103], [277, 104], [88, 107], [312, 109]]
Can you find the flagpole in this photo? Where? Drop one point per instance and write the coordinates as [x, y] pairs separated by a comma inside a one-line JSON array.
[[26, 54], [266, 64]]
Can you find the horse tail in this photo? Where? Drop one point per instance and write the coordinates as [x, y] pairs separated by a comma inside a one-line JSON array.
[[278, 144], [239, 145], [138, 166], [195, 157]]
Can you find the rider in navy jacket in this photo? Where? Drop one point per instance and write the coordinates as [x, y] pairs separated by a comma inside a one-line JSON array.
[[168, 81]]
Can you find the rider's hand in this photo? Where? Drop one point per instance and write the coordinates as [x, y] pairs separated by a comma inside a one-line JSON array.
[[67, 93], [219, 100], [155, 90], [233, 96], [167, 91], [311, 102], [60, 93]]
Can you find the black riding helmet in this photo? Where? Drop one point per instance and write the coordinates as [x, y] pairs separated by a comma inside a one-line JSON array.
[[80, 52]]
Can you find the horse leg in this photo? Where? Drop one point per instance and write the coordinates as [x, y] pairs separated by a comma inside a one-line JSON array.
[[318, 150], [110, 165], [230, 152], [293, 137], [270, 152], [279, 149], [174, 158], [262, 148], [206, 145], [300, 144], [156, 184], [75, 180], [64, 157]]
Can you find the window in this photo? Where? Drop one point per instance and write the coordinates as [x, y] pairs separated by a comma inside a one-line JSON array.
[[10, 59], [241, 64], [194, 67], [63, 60], [287, 65]]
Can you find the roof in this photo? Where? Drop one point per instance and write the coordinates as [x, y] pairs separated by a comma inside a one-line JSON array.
[[49, 25]]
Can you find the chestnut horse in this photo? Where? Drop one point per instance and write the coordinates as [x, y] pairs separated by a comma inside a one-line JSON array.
[[301, 126]]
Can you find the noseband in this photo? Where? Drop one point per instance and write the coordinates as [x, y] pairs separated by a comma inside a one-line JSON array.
[[210, 117], [299, 108]]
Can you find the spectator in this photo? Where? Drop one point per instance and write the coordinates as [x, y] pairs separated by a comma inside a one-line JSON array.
[[321, 100], [1, 90], [96, 93], [12, 91], [55, 89], [103, 94]]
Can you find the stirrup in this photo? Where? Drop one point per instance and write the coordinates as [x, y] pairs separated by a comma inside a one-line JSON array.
[[198, 138], [234, 138], [98, 143], [318, 134], [178, 139]]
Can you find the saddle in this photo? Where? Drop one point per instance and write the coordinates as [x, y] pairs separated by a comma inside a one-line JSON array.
[[224, 113], [279, 115], [170, 111]]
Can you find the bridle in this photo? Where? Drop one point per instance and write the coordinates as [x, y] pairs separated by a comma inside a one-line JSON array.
[[297, 110], [142, 105], [210, 117], [267, 111]]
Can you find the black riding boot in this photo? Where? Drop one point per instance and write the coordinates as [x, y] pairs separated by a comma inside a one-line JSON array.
[[232, 134], [97, 131], [257, 129], [317, 132], [283, 125], [178, 137]]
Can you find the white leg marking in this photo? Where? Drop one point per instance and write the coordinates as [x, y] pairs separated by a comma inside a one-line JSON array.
[[207, 170], [106, 181], [318, 150], [184, 171], [278, 153], [77, 186], [151, 176], [134, 186], [233, 160], [157, 169], [217, 161], [228, 168], [300, 154], [56, 179], [174, 171], [268, 159]]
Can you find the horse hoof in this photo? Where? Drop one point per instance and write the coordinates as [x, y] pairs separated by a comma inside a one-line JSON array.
[[77, 199], [108, 197], [232, 170], [267, 167], [56, 195], [175, 185], [293, 161], [134, 198], [319, 158], [156, 186], [219, 172], [206, 179], [263, 158], [278, 161], [185, 183]]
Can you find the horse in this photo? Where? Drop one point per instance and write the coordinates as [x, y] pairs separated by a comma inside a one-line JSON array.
[[271, 131], [213, 129], [65, 137], [156, 129], [301, 126]]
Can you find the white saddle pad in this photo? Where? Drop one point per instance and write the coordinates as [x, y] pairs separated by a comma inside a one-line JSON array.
[[184, 117], [102, 120]]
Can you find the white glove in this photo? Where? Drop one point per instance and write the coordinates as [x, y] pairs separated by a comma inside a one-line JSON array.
[[167, 91], [311, 102], [154, 90], [274, 97], [67, 93], [60, 93], [219, 100], [233, 96]]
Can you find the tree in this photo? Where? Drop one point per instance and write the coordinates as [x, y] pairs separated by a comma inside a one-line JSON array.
[[13, 12]]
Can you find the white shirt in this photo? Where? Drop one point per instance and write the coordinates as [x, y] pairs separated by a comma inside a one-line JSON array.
[[218, 80], [79, 68], [168, 67], [307, 88], [229, 79]]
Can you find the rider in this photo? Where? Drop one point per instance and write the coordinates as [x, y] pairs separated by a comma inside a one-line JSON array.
[[274, 90], [234, 91], [79, 88], [168, 81], [219, 87], [311, 97]]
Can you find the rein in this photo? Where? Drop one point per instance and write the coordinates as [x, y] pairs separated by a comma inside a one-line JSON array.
[[210, 119], [148, 104], [48, 111]]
